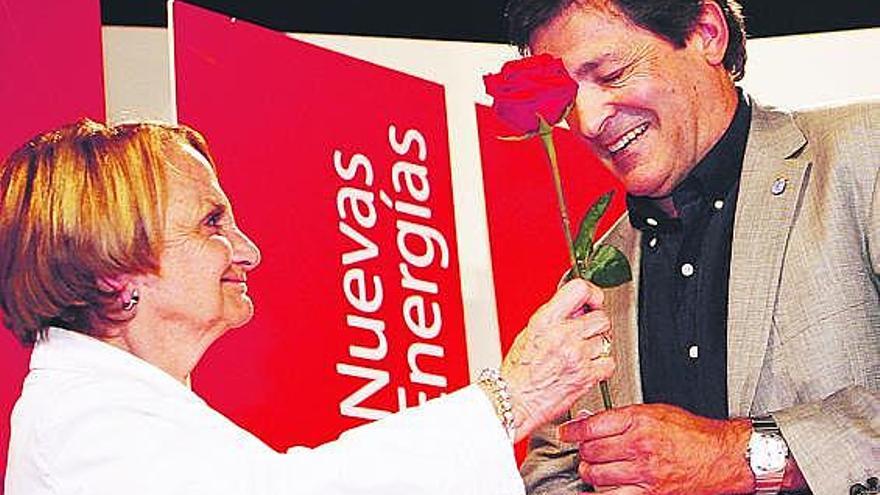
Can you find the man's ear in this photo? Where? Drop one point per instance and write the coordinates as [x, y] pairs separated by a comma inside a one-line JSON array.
[[710, 35]]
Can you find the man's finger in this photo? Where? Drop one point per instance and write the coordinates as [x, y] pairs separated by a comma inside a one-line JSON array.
[[584, 473], [623, 490], [606, 449], [614, 474], [602, 424]]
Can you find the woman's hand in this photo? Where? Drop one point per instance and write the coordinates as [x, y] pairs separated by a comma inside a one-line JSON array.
[[558, 356]]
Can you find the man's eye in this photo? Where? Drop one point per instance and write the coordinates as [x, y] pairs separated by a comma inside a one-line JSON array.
[[612, 77]]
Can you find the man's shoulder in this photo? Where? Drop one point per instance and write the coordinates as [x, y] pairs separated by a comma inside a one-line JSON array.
[[858, 118], [843, 136]]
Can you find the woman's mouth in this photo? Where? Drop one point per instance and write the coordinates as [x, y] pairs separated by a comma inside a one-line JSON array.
[[235, 280]]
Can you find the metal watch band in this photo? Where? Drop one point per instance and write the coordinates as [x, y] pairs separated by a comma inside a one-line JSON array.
[[767, 483], [765, 424]]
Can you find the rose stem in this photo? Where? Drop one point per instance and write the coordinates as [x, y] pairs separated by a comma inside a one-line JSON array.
[[546, 133]]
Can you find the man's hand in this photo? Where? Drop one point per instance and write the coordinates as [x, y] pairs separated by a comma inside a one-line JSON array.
[[661, 449]]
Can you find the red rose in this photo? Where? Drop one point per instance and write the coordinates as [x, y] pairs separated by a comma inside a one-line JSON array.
[[532, 95], [529, 87]]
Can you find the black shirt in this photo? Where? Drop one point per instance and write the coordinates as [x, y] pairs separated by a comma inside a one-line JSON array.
[[684, 277]]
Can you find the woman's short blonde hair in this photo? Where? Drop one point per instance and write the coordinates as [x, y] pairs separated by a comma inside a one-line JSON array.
[[81, 207]]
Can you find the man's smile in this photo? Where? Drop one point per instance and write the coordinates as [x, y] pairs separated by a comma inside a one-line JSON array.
[[621, 143]]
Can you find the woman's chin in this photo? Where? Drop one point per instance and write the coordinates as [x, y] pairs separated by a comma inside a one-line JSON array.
[[241, 315]]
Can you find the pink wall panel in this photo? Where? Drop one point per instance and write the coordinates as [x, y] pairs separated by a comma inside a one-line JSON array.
[[51, 73], [298, 132]]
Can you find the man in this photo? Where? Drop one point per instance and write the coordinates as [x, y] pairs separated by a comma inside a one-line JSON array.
[[748, 347]]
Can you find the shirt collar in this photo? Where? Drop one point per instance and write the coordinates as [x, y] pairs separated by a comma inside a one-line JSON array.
[[710, 179], [67, 350]]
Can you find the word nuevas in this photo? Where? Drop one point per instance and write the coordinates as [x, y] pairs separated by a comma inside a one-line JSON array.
[[422, 251]]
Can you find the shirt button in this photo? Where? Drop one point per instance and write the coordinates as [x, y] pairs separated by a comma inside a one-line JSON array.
[[693, 352], [718, 204], [687, 269], [651, 221], [653, 242]]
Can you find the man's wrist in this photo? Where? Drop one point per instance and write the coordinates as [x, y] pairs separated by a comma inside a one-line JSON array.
[[736, 437]]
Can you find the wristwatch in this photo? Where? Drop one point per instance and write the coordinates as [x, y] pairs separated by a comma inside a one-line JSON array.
[[767, 454]]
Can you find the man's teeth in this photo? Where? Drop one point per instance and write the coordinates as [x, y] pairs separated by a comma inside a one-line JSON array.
[[627, 138]]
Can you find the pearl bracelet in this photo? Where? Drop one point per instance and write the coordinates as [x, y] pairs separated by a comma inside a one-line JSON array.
[[495, 386]]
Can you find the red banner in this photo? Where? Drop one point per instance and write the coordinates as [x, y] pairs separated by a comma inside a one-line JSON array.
[[51, 66], [339, 170], [528, 248]]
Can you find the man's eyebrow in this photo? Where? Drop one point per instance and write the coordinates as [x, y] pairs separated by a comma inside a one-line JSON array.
[[585, 68], [591, 65]]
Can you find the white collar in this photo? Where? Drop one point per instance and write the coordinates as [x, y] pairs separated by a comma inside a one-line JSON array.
[[67, 350]]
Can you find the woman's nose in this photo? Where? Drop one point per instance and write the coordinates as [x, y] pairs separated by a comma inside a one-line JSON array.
[[245, 252]]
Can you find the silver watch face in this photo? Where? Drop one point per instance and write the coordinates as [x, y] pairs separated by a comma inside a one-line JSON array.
[[767, 453]]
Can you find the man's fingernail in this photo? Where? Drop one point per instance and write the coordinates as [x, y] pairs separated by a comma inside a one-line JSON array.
[[562, 431], [569, 431]]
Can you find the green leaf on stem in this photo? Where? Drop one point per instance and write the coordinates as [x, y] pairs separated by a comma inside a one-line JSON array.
[[608, 267], [583, 244]]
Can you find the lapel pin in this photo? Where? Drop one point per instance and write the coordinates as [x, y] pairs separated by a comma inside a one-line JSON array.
[[872, 488], [778, 186]]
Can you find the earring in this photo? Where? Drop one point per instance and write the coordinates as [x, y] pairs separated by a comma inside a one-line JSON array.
[[132, 301]]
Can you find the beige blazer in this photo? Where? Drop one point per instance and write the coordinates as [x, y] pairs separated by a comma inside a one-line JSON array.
[[804, 311]]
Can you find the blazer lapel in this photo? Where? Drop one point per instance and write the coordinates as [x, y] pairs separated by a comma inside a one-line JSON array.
[[775, 167]]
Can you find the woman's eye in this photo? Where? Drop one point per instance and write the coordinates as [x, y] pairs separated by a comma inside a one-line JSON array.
[[214, 220]]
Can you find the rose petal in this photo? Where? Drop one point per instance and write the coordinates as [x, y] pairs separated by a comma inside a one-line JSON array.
[[528, 87]]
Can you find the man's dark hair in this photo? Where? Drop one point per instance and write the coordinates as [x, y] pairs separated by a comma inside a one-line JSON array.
[[672, 20]]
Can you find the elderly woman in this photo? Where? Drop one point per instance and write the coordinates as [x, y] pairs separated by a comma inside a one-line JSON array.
[[120, 259]]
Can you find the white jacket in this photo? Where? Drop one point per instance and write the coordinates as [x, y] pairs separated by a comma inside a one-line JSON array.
[[96, 420]]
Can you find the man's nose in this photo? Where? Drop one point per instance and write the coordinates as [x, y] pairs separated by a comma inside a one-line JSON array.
[[592, 110]]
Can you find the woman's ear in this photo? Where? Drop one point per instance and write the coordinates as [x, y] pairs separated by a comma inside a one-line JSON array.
[[126, 289]]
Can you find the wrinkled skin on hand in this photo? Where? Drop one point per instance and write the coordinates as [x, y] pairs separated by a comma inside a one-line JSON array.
[[661, 449], [555, 359]]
